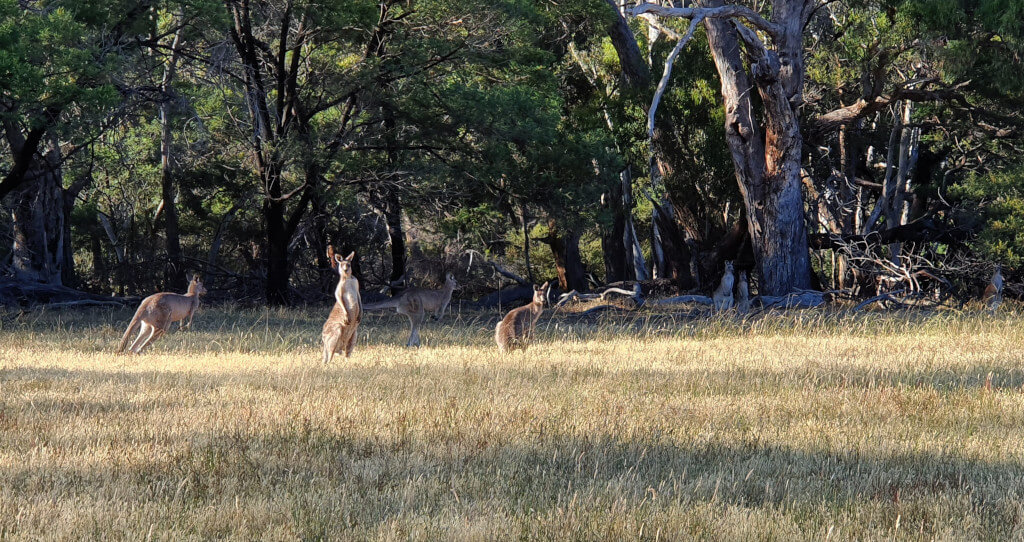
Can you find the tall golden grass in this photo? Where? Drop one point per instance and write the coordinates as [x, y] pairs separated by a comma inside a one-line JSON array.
[[807, 426]]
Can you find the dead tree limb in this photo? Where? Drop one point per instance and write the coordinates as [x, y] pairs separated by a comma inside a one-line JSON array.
[[497, 267]]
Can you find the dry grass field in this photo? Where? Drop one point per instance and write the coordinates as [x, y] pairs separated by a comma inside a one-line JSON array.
[[799, 427]]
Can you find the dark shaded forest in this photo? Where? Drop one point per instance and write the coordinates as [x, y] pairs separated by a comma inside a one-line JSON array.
[[851, 146]]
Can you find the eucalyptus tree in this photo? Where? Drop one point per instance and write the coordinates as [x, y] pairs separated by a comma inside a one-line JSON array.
[[58, 89]]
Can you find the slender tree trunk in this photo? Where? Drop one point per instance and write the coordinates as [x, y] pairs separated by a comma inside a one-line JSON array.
[[526, 245], [616, 267], [389, 204], [629, 238], [174, 273]]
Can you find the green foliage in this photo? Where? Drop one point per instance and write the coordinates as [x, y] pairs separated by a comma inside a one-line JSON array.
[[999, 199]]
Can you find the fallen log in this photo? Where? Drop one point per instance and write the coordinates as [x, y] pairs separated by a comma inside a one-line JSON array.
[[681, 299], [805, 299], [30, 294]]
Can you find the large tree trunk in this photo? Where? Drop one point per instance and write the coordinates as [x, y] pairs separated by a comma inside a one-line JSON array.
[[278, 270], [568, 264], [565, 248], [768, 167], [38, 222]]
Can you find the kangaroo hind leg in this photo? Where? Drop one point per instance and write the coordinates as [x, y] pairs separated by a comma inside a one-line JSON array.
[[351, 344], [146, 331], [415, 320], [158, 328], [331, 344]]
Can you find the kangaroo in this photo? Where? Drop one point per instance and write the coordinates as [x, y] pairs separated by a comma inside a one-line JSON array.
[[723, 295], [993, 295], [417, 302], [515, 330], [157, 312], [742, 294], [339, 332]]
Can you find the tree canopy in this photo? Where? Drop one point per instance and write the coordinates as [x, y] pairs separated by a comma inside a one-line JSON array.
[[505, 140]]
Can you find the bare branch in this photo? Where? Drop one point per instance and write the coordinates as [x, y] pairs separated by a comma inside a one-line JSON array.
[[731, 11], [663, 84]]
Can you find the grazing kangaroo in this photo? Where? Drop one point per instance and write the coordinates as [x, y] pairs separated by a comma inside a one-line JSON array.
[[157, 312], [339, 334], [723, 295], [993, 295], [515, 330], [417, 302], [742, 294]]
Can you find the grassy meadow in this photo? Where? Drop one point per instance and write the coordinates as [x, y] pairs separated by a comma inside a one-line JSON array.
[[808, 426]]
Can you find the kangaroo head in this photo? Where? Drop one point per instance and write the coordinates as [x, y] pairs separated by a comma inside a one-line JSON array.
[[539, 293], [195, 286], [449, 281], [728, 266], [343, 265]]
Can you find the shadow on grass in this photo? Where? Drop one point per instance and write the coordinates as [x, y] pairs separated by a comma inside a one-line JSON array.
[[334, 482]]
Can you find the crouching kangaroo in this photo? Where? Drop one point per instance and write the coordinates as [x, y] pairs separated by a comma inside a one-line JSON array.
[[993, 295], [515, 330], [157, 312], [339, 334]]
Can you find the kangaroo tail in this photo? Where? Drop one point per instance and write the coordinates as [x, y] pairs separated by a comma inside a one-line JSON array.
[[131, 327], [389, 304]]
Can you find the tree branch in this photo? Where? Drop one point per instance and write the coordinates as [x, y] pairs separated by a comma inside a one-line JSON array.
[[731, 11]]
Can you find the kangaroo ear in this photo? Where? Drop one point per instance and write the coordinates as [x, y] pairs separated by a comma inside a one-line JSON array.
[[350, 256], [337, 260]]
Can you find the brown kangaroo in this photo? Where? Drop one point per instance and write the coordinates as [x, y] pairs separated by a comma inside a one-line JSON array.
[[339, 334], [417, 302], [993, 295], [157, 312], [515, 330]]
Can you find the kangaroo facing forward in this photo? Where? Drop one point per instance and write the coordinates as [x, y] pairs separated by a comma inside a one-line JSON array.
[[157, 312], [417, 302], [515, 330], [742, 296], [339, 334], [723, 295]]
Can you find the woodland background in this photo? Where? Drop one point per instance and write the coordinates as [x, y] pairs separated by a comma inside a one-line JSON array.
[[844, 145]]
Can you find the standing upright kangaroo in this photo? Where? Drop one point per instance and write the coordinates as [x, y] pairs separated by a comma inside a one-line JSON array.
[[157, 312], [339, 333], [515, 330], [742, 293], [723, 295], [993, 295], [417, 302]]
